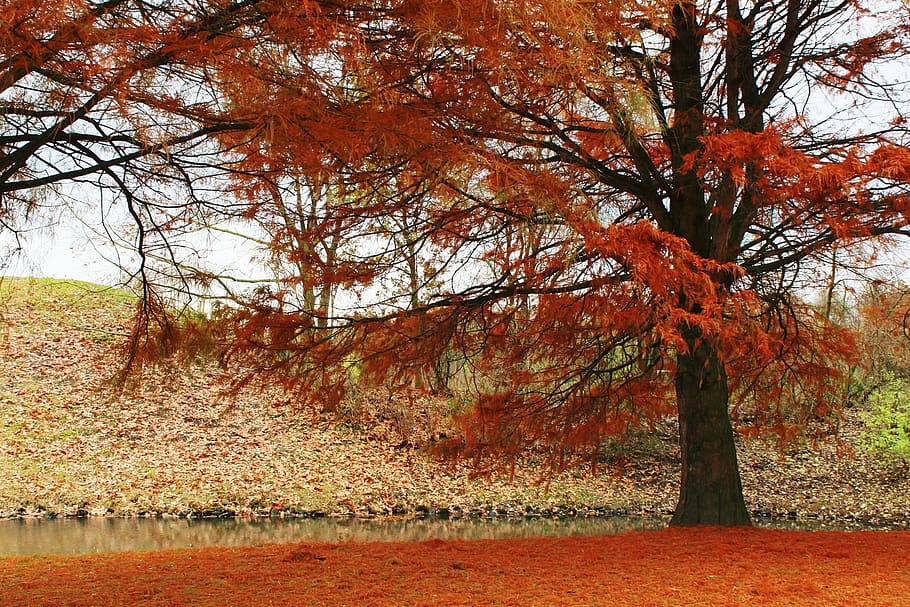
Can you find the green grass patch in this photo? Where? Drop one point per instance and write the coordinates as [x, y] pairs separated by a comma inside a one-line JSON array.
[[56, 292], [888, 422], [68, 302]]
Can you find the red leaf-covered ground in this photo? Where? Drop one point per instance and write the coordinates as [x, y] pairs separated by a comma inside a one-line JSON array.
[[701, 566]]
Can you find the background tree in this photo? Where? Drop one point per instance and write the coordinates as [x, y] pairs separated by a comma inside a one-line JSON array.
[[110, 102], [107, 102]]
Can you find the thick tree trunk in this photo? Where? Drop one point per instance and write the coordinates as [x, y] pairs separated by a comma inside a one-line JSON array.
[[711, 491]]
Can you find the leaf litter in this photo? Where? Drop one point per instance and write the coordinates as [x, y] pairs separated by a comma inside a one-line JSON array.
[[695, 566], [177, 445]]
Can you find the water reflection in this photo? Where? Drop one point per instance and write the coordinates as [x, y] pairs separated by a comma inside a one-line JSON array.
[[75, 536]]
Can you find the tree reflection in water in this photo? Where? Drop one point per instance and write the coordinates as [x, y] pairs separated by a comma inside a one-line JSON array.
[[75, 536]]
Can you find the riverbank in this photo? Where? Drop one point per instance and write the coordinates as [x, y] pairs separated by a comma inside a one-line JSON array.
[[710, 566], [176, 446]]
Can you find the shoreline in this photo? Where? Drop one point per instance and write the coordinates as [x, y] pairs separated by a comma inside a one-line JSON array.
[[760, 520]]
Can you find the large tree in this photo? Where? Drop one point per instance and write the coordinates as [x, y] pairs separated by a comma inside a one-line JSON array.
[[107, 104], [621, 202], [610, 207]]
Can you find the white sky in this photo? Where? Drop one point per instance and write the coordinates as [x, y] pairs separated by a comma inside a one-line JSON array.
[[71, 250], [64, 252], [76, 249]]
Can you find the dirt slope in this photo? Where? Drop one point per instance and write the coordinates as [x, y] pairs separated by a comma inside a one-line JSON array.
[[177, 445]]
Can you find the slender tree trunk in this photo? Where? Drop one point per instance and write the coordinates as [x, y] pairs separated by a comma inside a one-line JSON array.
[[711, 491]]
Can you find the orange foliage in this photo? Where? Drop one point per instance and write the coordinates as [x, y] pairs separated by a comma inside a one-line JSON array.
[[885, 329]]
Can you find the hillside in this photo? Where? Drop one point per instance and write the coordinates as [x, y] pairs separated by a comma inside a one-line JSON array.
[[177, 445]]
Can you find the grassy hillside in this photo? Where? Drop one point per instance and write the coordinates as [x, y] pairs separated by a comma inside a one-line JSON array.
[[70, 443]]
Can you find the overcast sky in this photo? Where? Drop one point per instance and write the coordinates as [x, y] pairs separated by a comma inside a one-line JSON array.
[[71, 250], [67, 252]]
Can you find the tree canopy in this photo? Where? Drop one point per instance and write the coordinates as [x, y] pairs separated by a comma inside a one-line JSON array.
[[604, 211]]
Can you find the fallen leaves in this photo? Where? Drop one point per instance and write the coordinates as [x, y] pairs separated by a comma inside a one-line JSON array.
[[705, 565], [177, 445]]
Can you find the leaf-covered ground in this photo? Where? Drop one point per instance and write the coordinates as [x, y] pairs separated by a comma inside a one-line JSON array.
[[701, 566], [177, 445]]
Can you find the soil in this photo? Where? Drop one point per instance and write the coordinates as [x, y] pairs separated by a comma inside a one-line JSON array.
[[177, 445]]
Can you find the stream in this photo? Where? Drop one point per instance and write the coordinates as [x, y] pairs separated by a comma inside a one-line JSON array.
[[85, 535], [93, 535]]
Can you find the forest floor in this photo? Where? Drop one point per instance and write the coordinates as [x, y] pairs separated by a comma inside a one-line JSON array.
[[697, 566], [176, 445]]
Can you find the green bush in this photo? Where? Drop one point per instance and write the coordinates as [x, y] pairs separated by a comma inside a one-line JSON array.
[[888, 421]]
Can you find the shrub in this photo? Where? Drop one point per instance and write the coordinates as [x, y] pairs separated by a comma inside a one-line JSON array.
[[888, 421]]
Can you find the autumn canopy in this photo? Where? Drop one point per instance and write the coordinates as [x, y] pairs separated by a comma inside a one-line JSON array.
[[596, 214]]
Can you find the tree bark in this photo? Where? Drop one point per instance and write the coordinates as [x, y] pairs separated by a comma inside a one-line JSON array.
[[711, 492]]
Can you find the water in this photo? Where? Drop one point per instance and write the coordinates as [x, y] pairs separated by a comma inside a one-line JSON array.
[[91, 535]]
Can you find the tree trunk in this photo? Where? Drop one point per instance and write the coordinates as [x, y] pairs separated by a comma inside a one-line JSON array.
[[711, 492]]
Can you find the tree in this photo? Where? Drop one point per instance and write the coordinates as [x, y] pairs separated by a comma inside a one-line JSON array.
[[106, 100], [623, 200], [680, 166]]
